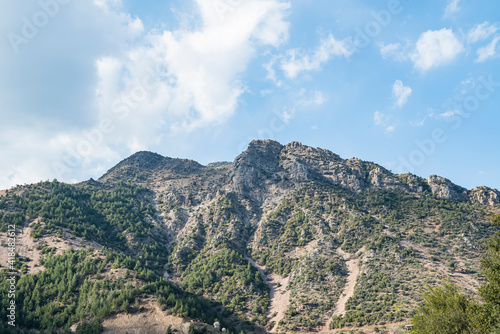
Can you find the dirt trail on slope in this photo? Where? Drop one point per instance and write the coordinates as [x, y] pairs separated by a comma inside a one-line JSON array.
[[279, 294], [348, 292]]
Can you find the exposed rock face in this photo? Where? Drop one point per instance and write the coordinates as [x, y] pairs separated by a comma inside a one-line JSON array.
[[485, 196], [445, 189], [261, 155], [254, 166], [381, 178], [268, 168]]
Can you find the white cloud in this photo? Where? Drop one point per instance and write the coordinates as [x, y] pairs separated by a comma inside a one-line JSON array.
[[400, 93], [390, 128], [452, 7], [435, 48], [36, 155], [489, 51], [195, 72], [298, 60], [198, 77], [481, 32]]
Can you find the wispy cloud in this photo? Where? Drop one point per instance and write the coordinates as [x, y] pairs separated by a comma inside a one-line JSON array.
[[400, 93], [298, 60], [452, 7], [393, 50], [481, 32], [489, 51], [448, 114]]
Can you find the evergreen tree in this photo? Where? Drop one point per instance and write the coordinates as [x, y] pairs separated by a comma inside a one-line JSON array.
[[444, 311]]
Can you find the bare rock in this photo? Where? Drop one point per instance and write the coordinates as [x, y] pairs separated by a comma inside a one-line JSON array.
[[445, 189], [485, 196]]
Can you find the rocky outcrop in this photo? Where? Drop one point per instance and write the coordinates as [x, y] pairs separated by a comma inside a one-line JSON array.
[[381, 178], [485, 196], [305, 163], [445, 189], [254, 166], [261, 155]]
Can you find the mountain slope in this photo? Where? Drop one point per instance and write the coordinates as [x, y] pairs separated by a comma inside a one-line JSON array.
[[291, 214]]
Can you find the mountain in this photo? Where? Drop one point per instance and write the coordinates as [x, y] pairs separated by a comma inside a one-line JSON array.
[[285, 238]]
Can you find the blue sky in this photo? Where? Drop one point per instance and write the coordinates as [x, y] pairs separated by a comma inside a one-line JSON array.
[[411, 85]]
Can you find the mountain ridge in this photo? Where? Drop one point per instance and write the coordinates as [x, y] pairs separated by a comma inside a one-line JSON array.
[[265, 155]]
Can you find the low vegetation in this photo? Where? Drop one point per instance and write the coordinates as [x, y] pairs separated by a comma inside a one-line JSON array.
[[446, 310]]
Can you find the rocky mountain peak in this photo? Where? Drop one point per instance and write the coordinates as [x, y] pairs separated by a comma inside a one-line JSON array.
[[260, 154], [144, 160], [148, 163], [252, 167]]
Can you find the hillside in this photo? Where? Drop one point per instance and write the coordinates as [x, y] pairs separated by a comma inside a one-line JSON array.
[[286, 238]]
